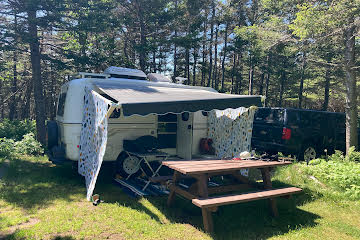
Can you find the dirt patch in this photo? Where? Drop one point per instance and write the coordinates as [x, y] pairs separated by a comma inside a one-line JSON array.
[[13, 229], [111, 236]]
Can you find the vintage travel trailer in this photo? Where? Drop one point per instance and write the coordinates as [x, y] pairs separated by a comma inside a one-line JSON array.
[[173, 114]]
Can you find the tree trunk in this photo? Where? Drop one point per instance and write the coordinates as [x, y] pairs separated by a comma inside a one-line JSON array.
[[327, 89], [233, 74], [194, 67], [83, 42], [211, 44], [25, 114], [251, 77], [282, 83], [204, 56], [302, 77], [261, 88], [267, 81], [216, 82], [1, 100], [143, 40], [351, 94], [13, 100], [187, 67], [224, 56], [238, 76], [154, 62], [36, 76]]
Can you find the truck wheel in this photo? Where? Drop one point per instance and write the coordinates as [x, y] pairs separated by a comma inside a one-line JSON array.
[[52, 134], [308, 152], [127, 165]]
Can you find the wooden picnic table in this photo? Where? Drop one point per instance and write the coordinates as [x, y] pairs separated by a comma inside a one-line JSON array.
[[199, 192]]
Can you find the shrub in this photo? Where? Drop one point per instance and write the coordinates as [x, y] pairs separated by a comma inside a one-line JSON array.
[[337, 156], [341, 177], [16, 129], [7, 147], [29, 145], [353, 155]]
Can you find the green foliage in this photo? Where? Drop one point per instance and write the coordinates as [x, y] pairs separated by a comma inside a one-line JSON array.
[[7, 147], [352, 156], [28, 145], [16, 129], [337, 156], [341, 178]]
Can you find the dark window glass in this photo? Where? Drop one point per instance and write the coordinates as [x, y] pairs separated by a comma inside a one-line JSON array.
[[61, 104], [167, 127], [269, 115], [170, 117]]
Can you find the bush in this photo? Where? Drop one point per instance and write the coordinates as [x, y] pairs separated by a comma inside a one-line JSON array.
[[341, 177], [7, 147], [16, 129], [29, 145], [353, 156], [337, 156]]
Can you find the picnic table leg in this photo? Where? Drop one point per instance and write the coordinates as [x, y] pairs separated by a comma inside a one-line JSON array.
[[206, 212], [171, 197], [265, 172], [207, 220]]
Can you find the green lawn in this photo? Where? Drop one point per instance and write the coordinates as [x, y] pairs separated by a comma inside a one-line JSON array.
[[39, 200]]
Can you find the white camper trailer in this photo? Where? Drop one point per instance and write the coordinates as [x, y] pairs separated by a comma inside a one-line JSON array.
[[174, 114]]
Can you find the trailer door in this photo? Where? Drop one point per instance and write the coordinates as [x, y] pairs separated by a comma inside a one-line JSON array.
[[184, 135]]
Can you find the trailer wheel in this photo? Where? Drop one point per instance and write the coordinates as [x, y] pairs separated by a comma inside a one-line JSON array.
[[127, 165]]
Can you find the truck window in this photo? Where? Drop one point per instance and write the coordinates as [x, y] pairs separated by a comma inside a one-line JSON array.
[[270, 115], [61, 104]]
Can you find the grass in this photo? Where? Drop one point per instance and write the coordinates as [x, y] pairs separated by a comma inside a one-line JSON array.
[[39, 200]]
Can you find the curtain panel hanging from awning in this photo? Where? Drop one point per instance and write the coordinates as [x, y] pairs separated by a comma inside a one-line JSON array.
[[147, 98], [231, 132], [144, 99], [93, 138]]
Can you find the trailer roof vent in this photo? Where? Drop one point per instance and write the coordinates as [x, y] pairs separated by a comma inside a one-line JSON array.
[[126, 73], [155, 77]]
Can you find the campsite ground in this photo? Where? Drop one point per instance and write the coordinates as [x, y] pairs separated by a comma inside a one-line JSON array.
[[41, 201]]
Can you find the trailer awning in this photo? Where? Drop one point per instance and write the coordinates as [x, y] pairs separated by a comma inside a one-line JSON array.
[[146, 97]]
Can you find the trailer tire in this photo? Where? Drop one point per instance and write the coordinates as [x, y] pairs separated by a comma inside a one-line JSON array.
[[52, 134], [126, 165]]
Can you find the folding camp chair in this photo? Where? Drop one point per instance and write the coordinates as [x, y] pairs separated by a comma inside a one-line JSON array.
[[144, 157]]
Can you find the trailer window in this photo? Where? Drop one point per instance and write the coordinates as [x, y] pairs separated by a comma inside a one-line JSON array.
[[167, 128], [61, 104]]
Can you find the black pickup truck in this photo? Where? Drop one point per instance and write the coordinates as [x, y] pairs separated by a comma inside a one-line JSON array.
[[302, 133]]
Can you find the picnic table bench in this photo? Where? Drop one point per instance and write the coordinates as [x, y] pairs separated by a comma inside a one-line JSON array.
[[199, 192]]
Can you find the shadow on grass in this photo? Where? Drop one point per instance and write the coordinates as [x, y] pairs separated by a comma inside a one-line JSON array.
[[251, 220], [30, 184], [63, 238]]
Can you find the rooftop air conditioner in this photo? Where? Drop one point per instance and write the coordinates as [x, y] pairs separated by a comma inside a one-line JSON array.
[[126, 73], [155, 77]]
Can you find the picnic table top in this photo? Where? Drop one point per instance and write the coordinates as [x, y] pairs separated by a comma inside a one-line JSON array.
[[213, 166]]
